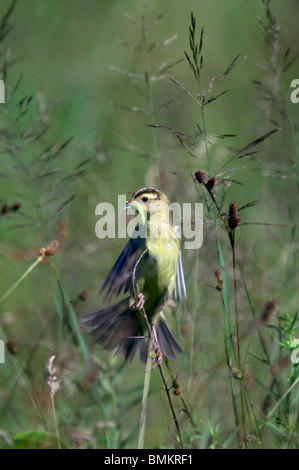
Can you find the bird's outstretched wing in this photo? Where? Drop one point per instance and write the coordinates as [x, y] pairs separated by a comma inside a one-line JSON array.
[[121, 275]]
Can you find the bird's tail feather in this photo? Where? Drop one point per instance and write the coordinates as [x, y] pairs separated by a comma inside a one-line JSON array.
[[167, 341], [119, 327], [116, 327]]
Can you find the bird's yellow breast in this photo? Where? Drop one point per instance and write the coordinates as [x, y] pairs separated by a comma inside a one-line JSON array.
[[157, 276]]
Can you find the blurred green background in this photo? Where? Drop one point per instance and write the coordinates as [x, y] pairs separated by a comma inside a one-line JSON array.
[[85, 65]]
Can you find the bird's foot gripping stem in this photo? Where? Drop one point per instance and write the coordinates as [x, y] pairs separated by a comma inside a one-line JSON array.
[[139, 303]]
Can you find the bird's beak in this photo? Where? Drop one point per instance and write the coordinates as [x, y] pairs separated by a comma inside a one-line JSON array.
[[129, 202]]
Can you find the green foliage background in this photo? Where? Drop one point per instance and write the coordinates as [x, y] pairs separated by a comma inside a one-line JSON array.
[[88, 62]]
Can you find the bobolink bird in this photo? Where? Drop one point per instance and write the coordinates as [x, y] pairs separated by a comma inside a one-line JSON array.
[[150, 270]]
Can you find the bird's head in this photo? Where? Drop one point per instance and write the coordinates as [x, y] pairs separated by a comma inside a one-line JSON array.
[[149, 201]]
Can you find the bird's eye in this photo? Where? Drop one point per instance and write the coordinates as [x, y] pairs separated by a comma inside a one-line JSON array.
[[145, 199]]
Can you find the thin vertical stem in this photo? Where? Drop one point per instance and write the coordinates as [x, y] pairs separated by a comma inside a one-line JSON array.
[[166, 388], [203, 108], [24, 275], [146, 385], [55, 421], [150, 99]]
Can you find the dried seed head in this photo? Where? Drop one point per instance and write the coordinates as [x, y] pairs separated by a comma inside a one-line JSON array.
[[53, 381], [195, 444], [175, 384], [233, 219], [200, 176], [264, 318], [218, 276], [84, 295], [211, 183], [219, 279], [251, 437], [51, 248], [16, 206], [185, 330], [4, 209], [62, 231], [267, 312], [12, 347], [233, 212]]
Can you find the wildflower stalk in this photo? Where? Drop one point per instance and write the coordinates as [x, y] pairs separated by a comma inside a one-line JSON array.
[[40, 258], [54, 384], [203, 116], [68, 311], [196, 66], [145, 393], [150, 99], [44, 252], [230, 224], [229, 346], [21, 375], [55, 420], [166, 388], [148, 369]]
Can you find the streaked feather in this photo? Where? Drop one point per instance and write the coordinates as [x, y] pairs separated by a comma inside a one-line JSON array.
[[120, 276], [118, 327], [179, 286], [167, 341]]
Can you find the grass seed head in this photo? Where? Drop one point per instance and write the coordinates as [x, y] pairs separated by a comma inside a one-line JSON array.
[[211, 183], [4, 209], [267, 312], [200, 176], [51, 248], [53, 380], [12, 347], [16, 206], [83, 295], [233, 219]]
